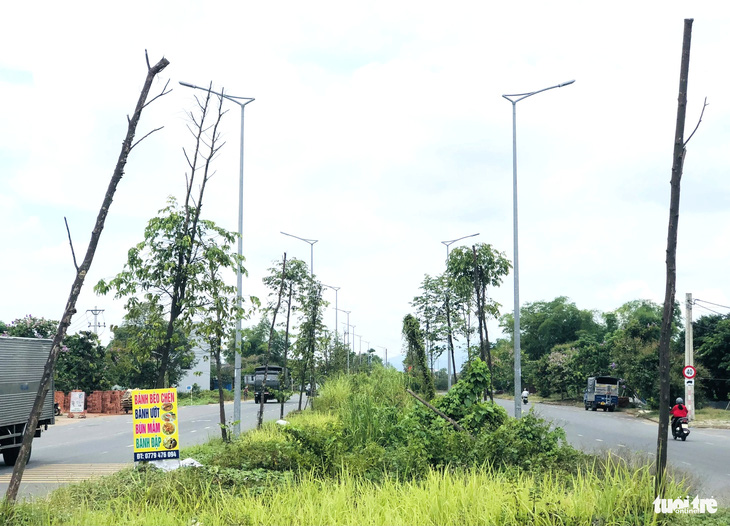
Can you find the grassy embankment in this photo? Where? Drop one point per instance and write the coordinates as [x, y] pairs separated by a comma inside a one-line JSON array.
[[369, 455]]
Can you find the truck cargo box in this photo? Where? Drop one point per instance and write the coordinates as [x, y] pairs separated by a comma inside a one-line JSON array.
[[22, 361]]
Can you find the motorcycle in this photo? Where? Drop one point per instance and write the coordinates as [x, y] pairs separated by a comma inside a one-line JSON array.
[[56, 409], [680, 430], [524, 399]]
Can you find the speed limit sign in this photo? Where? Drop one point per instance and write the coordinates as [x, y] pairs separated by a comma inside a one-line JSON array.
[[689, 372]]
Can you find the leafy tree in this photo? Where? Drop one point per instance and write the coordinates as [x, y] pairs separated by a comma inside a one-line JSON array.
[[153, 271], [30, 327], [545, 324], [430, 309], [415, 361], [81, 364], [133, 355], [217, 309], [711, 336], [476, 270], [308, 343]]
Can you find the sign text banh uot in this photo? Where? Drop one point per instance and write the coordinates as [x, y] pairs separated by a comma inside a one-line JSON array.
[[155, 424]]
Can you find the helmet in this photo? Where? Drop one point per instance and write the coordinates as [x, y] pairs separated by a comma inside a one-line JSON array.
[[679, 401]]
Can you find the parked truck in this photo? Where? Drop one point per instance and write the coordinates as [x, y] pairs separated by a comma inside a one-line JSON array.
[[22, 361]]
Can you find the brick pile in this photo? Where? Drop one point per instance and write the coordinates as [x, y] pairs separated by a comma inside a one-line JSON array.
[[106, 402]]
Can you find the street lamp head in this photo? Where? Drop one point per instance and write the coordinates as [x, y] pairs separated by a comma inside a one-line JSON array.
[[566, 83], [187, 84]]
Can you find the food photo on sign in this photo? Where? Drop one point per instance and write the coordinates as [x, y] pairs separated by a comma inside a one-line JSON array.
[[155, 430]]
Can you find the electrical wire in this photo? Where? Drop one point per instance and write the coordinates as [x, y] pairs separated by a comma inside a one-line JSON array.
[[715, 304], [709, 309]]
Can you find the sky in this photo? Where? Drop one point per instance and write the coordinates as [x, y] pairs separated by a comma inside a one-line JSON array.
[[378, 129]]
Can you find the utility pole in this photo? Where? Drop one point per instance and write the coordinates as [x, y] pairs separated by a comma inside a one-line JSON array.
[[689, 385], [96, 311]]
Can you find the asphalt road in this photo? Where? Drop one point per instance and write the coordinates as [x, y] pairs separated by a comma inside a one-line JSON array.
[[81, 449], [704, 456]]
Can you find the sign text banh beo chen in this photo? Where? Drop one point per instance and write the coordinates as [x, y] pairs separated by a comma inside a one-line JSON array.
[[155, 424]]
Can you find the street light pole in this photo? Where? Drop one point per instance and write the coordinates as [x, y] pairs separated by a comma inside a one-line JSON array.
[[514, 99], [311, 250], [348, 333], [336, 289], [448, 297], [241, 101]]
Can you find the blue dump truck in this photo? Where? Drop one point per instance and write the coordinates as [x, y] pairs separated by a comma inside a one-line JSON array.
[[22, 361], [601, 391]]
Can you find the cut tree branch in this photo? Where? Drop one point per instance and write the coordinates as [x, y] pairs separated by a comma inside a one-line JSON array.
[[698, 123], [450, 420], [73, 254]]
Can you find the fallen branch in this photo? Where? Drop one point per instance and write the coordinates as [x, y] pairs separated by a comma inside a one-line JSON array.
[[442, 415]]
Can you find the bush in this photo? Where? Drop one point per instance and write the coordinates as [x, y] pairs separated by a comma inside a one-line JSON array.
[[528, 443]]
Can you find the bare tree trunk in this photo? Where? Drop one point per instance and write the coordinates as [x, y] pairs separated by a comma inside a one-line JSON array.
[[664, 339], [221, 406], [286, 348], [262, 397], [78, 283], [190, 225], [450, 339]]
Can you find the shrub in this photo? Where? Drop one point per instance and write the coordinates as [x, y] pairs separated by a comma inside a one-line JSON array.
[[528, 443]]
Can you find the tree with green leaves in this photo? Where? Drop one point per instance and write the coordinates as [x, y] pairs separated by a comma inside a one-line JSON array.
[[81, 364], [217, 312], [132, 355], [474, 270], [711, 336], [30, 327], [294, 279], [430, 310], [415, 364]]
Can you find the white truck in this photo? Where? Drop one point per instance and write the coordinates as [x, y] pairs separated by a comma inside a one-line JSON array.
[[22, 361]]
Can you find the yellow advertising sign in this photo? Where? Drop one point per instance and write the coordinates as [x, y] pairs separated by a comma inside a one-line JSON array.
[[155, 424]]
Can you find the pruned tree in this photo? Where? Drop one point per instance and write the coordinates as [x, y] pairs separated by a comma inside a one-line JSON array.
[[678, 155], [81, 272], [163, 265]]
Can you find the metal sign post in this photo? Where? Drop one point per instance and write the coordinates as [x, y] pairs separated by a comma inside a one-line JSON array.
[[689, 373]]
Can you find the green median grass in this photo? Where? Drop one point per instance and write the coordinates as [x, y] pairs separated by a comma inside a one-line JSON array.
[[607, 494], [370, 455]]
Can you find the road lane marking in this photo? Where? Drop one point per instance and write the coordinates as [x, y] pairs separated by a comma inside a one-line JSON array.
[[683, 462], [62, 473], [580, 435], [620, 445], [599, 440]]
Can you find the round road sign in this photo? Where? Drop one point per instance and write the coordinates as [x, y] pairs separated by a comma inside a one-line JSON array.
[[689, 372]]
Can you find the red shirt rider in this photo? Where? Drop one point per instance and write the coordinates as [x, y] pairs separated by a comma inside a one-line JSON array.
[[679, 411]]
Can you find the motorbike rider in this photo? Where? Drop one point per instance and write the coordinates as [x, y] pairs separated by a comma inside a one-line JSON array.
[[525, 394], [677, 412]]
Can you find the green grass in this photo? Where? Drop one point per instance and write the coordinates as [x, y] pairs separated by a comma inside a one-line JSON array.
[[610, 494], [203, 397]]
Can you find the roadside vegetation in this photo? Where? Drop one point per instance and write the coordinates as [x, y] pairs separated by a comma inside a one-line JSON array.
[[370, 454]]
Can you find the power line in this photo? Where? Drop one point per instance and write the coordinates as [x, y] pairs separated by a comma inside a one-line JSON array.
[[709, 309], [715, 304]]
